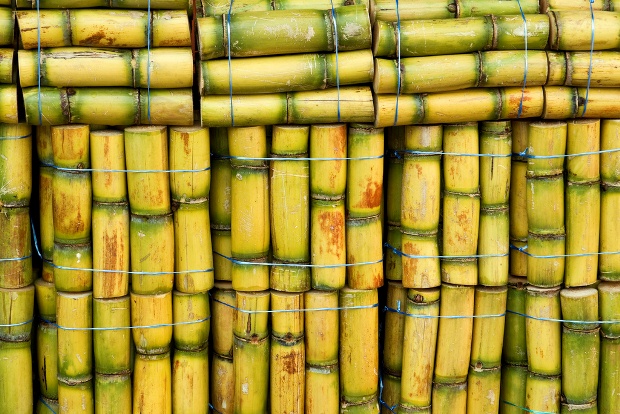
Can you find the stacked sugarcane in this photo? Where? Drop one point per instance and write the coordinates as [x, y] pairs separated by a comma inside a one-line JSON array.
[[268, 67], [8, 74], [106, 66], [17, 291], [504, 70]]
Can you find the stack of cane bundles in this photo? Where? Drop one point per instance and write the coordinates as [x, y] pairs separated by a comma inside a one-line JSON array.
[[299, 217], [301, 66], [106, 66], [17, 292]]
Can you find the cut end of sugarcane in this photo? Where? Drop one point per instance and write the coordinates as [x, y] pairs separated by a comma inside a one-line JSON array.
[[187, 129], [145, 128], [579, 292]]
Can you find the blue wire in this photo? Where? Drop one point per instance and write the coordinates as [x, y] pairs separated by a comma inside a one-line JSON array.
[[374, 305], [412, 256], [230, 80], [526, 409], [525, 34], [557, 256], [585, 104], [398, 87], [306, 265]]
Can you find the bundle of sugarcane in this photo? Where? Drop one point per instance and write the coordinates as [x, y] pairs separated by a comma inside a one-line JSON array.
[[220, 7], [17, 292], [143, 78], [308, 78], [390, 11], [72, 264]]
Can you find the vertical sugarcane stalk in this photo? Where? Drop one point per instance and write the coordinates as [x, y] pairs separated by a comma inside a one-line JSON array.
[[609, 380], [328, 178], [75, 347], [493, 238], [359, 343], [394, 329], [290, 208], [222, 377], [580, 345], [419, 345], [518, 205], [363, 205], [395, 140], [16, 166], [287, 360], [321, 339], [609, 263], [454, 345], [220, 204], [16, 394], [512, 391], [191, 315], [420, 205], [47, 359], [113, 393], [544, 349], [15, 247], [514, 345], [250, 233], [152, 384], [545, 203], [484, 377], [583, 206], [110, 215], [461, 204], [251, 352], [16, 313]]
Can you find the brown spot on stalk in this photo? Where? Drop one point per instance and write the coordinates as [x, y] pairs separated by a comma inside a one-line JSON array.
[[290, 362], [186, 144], [371, 196], [332, 227], [97, 39]]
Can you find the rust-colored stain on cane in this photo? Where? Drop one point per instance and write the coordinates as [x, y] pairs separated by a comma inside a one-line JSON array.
[[332, 225], [186, 143], [97, 39], [410, 266], [371, 196], [106, 155], [113, 259], [291, 362]]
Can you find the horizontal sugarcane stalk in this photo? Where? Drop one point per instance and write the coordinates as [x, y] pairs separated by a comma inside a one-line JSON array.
[[573, 30], [219, 7], [273, 74], [483, 69], [7, 24], [350, 104], [386, 10], [110, 106], [6, 65], [449, 36], [103, 28], [554, 5], [8, 104], [469, 105], [162, 68], [283, 32], [121, 4]]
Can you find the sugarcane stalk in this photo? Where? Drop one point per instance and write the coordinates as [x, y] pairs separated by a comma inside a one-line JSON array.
[[16, 166], [543, 350], [112, 348], [518, 205], [515, 344], [148, 310], [610, 198], [445, 36], [273, 74], [466, 8], [609, 297], [542, 393], [484, 104], [483, 389], [364, 253], [219, 7], [151, 237], [191, 314], [16, 313], [353, 103], [15, 245], [222, 302], [65, 67], [75, 344], [131, 4], [8, 25], [419, 345], [512, 389], [449, 398], [608, 399], [569, 30], [190, 381], [8, 104], [222, 384], [103, 28], [193, 257], [152, 384], [109, 106], [548, 5], [454, 334], [322, 394], [488, 328], [107, 149], [394, 329], [287, 353], [45, 295], [296, 31], [359, 354], [189, 149], [391, 393], [47, 359], [15, 377], [113, 393], [110, 235]]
